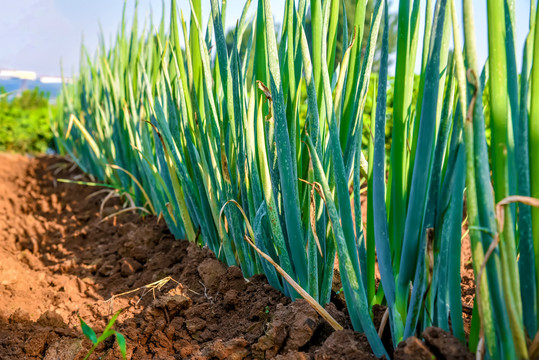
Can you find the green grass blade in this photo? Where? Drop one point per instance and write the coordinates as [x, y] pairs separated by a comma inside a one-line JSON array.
[[379, 211], [534, 142], [289, 186], [528, 281], [422, 166], [352, 284]]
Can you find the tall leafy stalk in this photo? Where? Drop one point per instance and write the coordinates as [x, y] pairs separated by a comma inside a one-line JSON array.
[[186, 122]]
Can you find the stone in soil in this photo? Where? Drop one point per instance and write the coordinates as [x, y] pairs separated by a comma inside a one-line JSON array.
[[437, 344]]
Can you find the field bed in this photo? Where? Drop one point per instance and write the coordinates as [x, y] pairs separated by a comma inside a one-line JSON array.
[[58, 260]]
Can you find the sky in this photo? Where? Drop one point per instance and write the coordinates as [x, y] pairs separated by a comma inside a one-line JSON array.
[[39, 35]]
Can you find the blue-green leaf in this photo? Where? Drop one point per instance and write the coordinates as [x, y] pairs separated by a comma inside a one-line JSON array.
[[88, 331]]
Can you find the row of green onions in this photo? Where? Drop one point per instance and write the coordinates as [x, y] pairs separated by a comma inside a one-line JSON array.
[[213, 140]]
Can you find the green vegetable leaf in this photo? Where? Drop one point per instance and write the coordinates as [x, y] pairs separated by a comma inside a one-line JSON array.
[[120, 339], [88, 331], [108, 332]]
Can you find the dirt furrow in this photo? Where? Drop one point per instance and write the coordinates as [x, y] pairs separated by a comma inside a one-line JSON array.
[[59, 261]]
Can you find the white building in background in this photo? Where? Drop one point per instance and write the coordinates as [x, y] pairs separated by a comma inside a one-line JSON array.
[[18, 74], [14, 82], [31, 76], [51, 80]]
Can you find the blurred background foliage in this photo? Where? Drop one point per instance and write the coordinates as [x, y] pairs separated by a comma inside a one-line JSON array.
[[24, 122]]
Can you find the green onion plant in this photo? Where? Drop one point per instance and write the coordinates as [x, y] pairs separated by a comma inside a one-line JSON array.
[[257, 152]]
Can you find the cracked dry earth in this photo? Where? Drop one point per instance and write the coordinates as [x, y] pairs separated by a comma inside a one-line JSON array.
[[59, 260]]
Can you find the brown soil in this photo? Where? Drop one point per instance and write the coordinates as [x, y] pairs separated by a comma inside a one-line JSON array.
[[59, 261], [467, 282]]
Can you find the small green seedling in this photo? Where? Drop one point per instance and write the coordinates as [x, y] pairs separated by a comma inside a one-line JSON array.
[[90, 334], [266, 309]]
